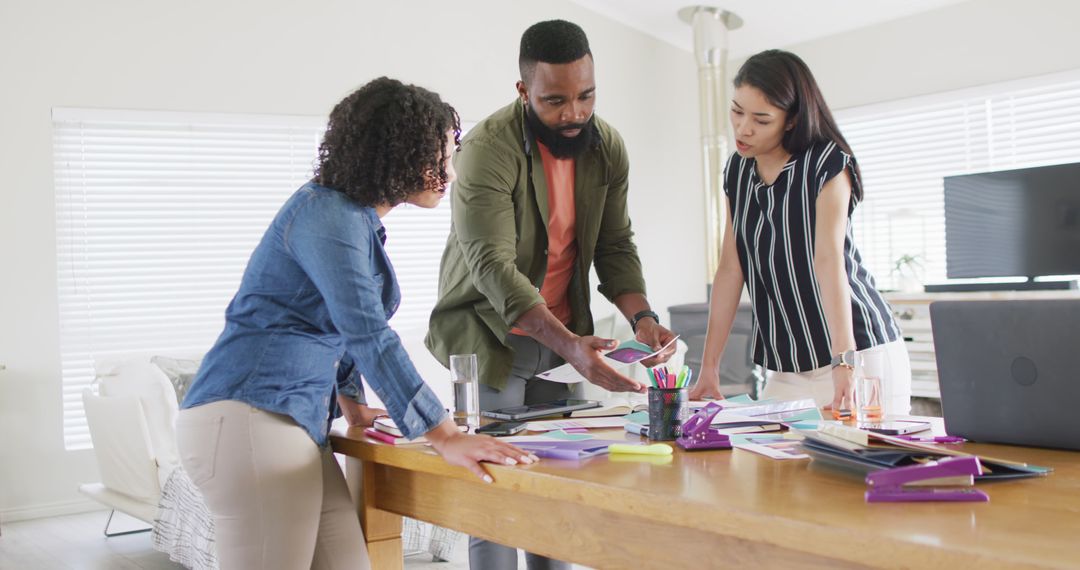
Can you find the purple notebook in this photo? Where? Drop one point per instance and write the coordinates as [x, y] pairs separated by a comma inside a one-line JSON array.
[[579, 449]]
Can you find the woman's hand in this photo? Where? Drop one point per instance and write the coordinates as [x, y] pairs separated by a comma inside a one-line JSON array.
[[707, 386], [843, 398], [468, 451]]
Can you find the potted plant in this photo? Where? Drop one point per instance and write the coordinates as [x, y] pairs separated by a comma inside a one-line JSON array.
[[908, 271]]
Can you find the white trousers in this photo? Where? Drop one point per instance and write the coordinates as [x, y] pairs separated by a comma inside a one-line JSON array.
[[278, 501], [818, 384]]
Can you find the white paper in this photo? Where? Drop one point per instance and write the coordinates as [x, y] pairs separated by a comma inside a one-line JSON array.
[[773, 447], [620, 358]]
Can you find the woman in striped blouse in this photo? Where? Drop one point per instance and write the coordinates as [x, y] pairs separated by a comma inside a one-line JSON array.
[[792, 186]]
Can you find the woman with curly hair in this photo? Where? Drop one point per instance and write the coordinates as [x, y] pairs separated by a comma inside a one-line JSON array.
[[309, 319]]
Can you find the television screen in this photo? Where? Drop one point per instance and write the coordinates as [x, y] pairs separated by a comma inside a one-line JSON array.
[[1022, 222]]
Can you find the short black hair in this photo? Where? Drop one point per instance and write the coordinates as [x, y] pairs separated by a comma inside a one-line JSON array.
[[383, 139], [553, 41]]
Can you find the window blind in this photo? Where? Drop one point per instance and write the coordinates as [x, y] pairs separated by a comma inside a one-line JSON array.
[[156, 216], [906, 148]]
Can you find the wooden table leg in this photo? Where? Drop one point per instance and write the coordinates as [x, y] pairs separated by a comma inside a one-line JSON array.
[[382, 529]]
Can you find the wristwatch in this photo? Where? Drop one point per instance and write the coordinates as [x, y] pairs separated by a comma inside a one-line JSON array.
[[845, 359], [641, 315]]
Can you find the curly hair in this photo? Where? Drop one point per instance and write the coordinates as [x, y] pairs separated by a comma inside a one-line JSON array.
[[385, 141]]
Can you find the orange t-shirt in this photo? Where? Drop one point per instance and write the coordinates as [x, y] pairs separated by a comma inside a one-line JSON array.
[[562, 245]]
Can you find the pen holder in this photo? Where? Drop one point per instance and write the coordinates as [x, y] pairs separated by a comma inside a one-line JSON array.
[[668, 409]]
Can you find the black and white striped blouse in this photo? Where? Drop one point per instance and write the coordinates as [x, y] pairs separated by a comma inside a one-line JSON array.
[[774, 232]]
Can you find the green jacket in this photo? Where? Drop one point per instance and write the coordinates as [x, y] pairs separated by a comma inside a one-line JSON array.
[[496, 256]]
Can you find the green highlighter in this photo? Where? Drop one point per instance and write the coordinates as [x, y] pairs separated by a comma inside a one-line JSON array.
[[653, 449]]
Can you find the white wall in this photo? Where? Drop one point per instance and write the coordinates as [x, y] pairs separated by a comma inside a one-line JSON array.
[[964, 45], [281, 56]]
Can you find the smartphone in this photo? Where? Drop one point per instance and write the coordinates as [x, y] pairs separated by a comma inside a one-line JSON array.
[[501, 428], [899, 427]]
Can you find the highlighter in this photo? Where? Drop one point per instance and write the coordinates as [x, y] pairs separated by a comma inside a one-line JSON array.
[[653, 449]]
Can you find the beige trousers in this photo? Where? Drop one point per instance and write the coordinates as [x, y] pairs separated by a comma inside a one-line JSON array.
[[278, 500], [818, 384]]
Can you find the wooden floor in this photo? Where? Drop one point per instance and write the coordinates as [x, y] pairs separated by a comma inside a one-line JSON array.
[[75, 542]]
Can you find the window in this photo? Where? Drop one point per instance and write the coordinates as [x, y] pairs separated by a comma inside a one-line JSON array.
[[906, 148], [156, 216]]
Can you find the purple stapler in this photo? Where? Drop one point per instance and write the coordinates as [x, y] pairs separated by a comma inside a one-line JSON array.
[[698, 433], [888, 486]]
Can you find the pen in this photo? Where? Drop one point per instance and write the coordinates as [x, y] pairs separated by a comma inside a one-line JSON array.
[[935, 439]]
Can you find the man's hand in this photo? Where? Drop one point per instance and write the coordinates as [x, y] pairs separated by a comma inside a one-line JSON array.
[[651, 333], [584, 356], [468, 451], [358, 415]]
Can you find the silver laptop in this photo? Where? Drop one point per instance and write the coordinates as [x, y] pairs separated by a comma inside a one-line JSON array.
[[1010, 370]]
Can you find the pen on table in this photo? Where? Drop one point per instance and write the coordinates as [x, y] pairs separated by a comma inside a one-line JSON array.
[[935, 439]]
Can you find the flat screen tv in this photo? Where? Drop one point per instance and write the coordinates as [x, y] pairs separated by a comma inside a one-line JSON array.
[[1023, 222]]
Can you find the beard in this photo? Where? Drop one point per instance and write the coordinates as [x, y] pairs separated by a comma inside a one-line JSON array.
[[561, 146]]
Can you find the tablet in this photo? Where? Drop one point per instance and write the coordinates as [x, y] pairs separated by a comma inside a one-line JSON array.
[[538, 410]]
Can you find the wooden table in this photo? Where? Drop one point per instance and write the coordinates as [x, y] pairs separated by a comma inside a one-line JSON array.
[[714, 509]]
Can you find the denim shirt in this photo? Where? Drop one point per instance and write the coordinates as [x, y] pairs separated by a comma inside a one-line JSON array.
[[315, 297]]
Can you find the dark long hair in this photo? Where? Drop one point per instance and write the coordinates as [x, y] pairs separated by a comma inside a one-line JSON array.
[[381, 141], [787, 83]]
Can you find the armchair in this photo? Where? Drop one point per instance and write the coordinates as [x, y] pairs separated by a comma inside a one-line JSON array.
[[131, 423]]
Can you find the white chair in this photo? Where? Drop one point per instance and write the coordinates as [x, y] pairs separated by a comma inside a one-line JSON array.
[[131, 424]]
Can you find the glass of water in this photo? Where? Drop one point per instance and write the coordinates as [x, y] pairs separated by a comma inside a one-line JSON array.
[[465, 377], [870, 386]]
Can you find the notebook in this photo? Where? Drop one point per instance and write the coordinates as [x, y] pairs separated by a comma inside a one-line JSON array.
[[833, 448], [1008, 370], [612, 410], [392, 440], [568, 449], [387, 426]]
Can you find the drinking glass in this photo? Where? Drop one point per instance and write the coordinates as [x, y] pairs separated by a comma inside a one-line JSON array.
[[465, 377], [870, 386]]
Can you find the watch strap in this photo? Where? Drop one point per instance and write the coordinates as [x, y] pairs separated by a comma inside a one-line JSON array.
[[641, 315], [845, 359]]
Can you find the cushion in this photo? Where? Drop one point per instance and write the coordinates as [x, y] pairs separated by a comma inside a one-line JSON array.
[[181, 371]]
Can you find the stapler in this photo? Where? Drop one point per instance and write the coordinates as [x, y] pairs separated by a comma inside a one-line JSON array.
[[914, 482], [698, 433]]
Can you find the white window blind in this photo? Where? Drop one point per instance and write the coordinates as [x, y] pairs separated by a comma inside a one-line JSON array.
[[906, 148], [156, 216]]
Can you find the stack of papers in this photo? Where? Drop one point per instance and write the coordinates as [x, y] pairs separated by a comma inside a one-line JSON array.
[[852, 448]]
